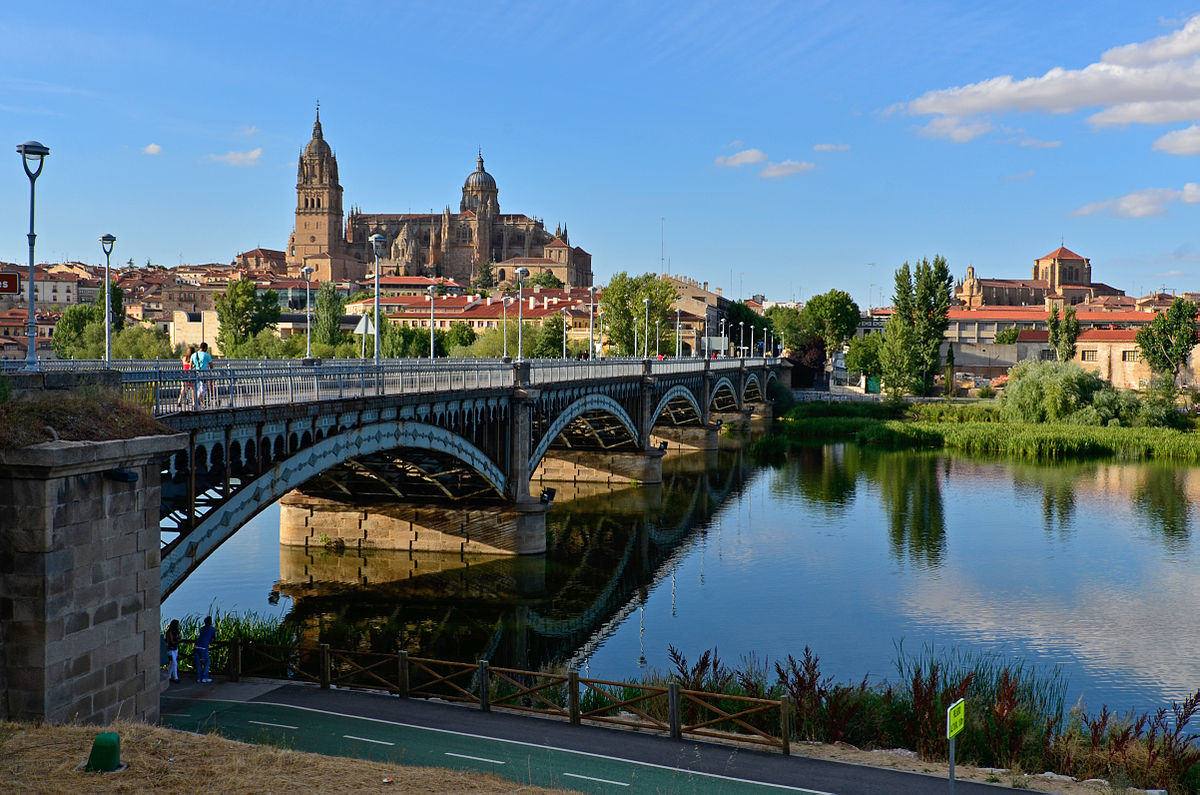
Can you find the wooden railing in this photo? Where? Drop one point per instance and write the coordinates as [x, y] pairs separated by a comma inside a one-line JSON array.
[[668, 709]]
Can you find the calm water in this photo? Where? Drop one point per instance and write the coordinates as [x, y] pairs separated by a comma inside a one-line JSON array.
[[1093, 567]]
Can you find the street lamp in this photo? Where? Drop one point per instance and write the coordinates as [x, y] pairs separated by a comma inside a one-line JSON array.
[[564, 313], [753, 350], [377, 241], [106, 243], [32, 152], [724, 342], [707, 353], [741, 338], [600, 315], [306, 272], [431, 288], [678, 339], [591, 323], [521, 274], [504, 309], [657, 336], [646, 344]]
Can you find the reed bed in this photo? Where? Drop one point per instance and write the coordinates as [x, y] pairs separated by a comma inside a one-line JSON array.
[[247, 626]]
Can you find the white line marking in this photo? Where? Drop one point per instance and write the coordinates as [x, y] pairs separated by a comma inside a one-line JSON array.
[[601, 780], [773, 785], [367, 740], [175, 714], [276, 725], [476, 758]]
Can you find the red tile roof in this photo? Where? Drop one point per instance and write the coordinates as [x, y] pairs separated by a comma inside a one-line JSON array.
[[1108, 335], [1062, 252]]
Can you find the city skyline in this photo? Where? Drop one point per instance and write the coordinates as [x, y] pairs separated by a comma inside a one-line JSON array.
[[761, 148]]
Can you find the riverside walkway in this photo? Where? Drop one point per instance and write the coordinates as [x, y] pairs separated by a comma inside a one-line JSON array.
[[527, 750]]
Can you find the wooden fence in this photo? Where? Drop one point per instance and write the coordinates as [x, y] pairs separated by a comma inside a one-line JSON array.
[[668, 709]]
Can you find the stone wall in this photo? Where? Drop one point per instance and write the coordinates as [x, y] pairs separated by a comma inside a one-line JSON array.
[[79, 580]]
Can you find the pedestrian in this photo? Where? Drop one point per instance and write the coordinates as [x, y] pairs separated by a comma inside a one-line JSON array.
[[186, 391], [201, 361], [206, 636], [173, 638]]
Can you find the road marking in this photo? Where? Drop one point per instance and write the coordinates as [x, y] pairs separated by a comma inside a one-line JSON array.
[[772, 785], [601, 780], [476, 758], [276, 725], [367, 740]]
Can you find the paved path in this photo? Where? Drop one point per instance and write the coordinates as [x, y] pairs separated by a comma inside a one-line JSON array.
[[525, 749]]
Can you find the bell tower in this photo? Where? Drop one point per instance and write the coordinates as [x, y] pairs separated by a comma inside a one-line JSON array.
[[318, 227]]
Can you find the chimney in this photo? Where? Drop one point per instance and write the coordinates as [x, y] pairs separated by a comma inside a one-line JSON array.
[[706, 286]]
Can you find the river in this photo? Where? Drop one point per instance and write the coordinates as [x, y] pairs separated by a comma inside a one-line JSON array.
[[1092, 567]]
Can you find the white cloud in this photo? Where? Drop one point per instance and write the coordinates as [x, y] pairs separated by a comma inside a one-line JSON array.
[[238, 158], [743, 158], [831, 147], [1179, 44], [1180, 142], [247, 130], [1143, 203], [785, 169], [733, 145], [954, 129], [151, 149], [1034, 142], [1162, 112], [1022, 175]]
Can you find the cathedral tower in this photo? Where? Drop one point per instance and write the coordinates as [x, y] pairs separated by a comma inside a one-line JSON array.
[[318, 227]]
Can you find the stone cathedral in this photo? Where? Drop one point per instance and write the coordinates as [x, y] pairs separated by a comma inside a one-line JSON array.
[[447, 244]]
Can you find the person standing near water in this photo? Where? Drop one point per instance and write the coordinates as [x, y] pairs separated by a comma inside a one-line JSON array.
[[204, 639], [173, 638]]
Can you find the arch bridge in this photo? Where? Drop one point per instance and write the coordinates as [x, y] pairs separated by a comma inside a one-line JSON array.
[[455, 432]]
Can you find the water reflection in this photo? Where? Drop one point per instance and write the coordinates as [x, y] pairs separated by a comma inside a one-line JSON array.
[[1162, 497]]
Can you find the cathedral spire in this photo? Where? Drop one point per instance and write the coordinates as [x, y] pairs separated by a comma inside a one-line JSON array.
[[317, 124]]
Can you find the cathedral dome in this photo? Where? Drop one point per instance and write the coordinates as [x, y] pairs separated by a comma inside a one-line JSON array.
[[480, 178], [317, 146]]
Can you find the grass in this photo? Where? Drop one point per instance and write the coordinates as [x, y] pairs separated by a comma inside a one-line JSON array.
[[84, 416], [247, 626], [46, 759]]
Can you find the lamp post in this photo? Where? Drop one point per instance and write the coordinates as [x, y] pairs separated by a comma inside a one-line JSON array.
[[724, 342], [678, 339], [306, 272], [591, 322], [657, 336], [741, 338], [753, 350], [504, 311], [106, 243], [707, 353], [377, 241], [600, 315], [32, 152], [521, 274], [564, 316], [646, 344], [431, 288]]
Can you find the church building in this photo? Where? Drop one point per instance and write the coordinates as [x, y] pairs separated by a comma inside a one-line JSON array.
[[451, 245], [1061, 278]]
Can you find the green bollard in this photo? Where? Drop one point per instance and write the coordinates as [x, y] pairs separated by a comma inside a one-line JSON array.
[[106, 753]]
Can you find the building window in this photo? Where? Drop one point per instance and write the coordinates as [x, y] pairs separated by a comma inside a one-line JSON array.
[[1088, 356], [1130, 356], [1048, 355]]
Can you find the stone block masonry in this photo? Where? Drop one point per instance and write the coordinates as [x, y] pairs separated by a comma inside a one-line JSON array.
[[79, 580]]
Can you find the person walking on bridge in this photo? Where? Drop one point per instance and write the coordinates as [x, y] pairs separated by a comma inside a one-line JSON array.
[[204, 639], [202, 362]]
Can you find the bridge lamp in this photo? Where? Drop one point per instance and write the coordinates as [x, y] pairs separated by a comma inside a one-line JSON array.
[[592, 322], [306, 272], [753, 350], [106, 243], [600, 315], [678, 339], [32, 153], [377, 241], [564, 315], [706, 342], [522, 274], [646, 327], [742, 337], [724, 342], [504, 311], [657, 335], [431, 288]]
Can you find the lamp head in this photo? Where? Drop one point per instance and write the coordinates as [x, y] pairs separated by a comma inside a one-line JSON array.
[[106, 243], [377, 240], [522, 273], [32, 151]]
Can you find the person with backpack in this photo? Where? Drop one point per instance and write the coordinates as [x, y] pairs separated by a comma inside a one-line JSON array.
[[201, 361]]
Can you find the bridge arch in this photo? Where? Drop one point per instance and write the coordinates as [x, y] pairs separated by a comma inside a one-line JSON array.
[[723, 384], [675, 393], [292, 471], [595, 402], [752, 386]]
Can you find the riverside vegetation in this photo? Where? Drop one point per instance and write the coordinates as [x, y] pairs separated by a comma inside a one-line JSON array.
[[1016, 715]]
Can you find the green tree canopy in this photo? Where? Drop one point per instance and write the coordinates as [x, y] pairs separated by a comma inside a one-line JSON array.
[[863, 356], [327, 316], [485, 277], [243, 312], [1167, 341], [898, 357], [545, 279], [922, 303], [834, 316], [116, 308], [791, 325], [459, 335], [1007, 336], [623, 308], [140, 341], [742, 323], [68, 337]]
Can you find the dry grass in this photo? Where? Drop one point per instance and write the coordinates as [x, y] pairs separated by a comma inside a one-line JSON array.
[[47, 759], [94, 416]]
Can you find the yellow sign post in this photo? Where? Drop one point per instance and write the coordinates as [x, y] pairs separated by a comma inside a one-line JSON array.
[[956, 718]]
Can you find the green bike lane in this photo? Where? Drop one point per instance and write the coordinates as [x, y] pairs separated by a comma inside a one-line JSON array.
[[331, 733]]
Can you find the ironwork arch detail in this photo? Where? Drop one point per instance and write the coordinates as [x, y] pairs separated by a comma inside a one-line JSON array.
[[576, 409]]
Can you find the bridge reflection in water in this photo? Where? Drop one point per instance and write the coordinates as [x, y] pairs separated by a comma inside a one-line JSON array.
[[605, 550]]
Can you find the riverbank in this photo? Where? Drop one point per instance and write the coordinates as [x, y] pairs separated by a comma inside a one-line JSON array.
[[973, 428]]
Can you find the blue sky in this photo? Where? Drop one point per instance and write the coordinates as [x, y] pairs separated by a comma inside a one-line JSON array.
[[790, 148]]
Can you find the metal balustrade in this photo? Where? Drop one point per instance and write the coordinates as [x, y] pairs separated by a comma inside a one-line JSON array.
[[164, 387]]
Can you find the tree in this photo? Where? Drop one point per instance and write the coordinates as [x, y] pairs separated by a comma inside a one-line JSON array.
[[863, 356], [789, 323], [69, 331], [834, 316], [922, 300], [327, 316], [623, 308], [484, 276], [243, 312], [459, 335], [141, 342], [1063, 333], [1007, 336], [1167, 341], [548, 339], [116, 308], [545, 279], [898, 357], [742, 323]]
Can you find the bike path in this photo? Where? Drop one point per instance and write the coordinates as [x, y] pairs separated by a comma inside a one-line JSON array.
[[520, 748]]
